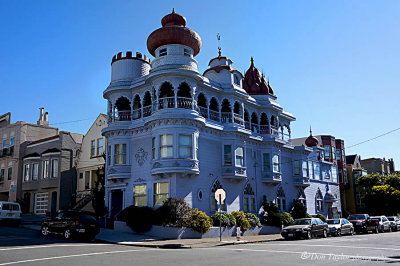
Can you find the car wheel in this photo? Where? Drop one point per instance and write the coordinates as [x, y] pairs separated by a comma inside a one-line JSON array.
[[351, 231], [338, 232], [376, 230], [382, 229], [390, 229], [309, 235], [325, 234], [44, 230], [67, 234]]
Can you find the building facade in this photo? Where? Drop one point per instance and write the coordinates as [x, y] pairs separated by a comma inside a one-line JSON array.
[[379, 166], [49, 173], [174, 132], [354, 194]]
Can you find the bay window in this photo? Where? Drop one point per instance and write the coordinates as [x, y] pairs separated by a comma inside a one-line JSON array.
[[334, 153], [45, 169], [35, 171], [275, 163], [166, 146], [317, 171], [305, 168], [54, 168], [266, 162], [227, 155], [26, 172], [120, 154], [139, 195], [327, 152], [239, 157], [185, 146]]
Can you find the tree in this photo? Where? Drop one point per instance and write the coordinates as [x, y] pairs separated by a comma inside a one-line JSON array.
[[299, 210], [370, 180], [98, 201]]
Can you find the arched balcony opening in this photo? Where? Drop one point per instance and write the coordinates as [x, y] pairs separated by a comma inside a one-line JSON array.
[[122, 109], [214, 109], [226, 112], [274, 126], [286, 132], [254, 123], [147, 104], [166, 97], [202, 105], [137, 108], [264, 125], [246, 119], [184, 97], [237, 114]]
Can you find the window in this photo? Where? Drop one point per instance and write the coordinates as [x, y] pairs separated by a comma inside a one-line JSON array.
[[26, 172], [163, 52], [120, 154], [153, 147], [100, 146], [334, 153], [185, 146], [281, 199], [196, 143], [275, 162], [10, 170], [166, 146], [266, 162], [11, 146], [54, 168], [239, 158], [109, 155], [45, 169], [305, 168], [317, 170], [161, 193], [296, 165], [4, 147], [301, 196], [92, 148], [139, 195], [310, 169], [227, 155], [338, 154], [2, 172], [319, 201], [35, 171], [249, 202], [327, 152], [343, 158], [334, 175], [186, 52], [236, 80]]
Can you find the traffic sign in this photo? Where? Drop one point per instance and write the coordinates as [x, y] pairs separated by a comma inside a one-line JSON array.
[[220, 196]]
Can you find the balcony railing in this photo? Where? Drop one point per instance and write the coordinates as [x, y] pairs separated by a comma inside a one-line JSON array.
[[123, 116], [264, 130], [247, 124], [203, 111], [274, 131], [237, 119], [255, 128], [147, 111], [226, 117], [183, 102], [214, 115], [136, 114], [167, 102]]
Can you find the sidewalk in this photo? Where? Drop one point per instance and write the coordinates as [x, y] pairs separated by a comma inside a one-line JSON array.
[[110, 236]]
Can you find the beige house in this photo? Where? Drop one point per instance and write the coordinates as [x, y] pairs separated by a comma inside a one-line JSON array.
[[91, 159]]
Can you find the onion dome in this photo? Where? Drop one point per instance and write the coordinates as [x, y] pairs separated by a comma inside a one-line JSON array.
[[173, 31], [311, 141], [254, 82]]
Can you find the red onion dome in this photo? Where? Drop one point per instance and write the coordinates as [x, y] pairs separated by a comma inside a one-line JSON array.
[[311, 141], [173, 31], [254, 82]]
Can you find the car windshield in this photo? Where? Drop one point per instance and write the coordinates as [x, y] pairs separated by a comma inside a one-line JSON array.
[[302, 222], [376, 218], [86, 217], [391, 218], [356, 217], [333, 221]]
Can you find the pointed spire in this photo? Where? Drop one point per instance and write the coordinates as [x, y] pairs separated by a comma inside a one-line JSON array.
[[173, 10], [219, 44], [252, 62], [310, 131]]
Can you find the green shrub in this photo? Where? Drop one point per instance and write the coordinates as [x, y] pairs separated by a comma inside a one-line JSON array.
[[139, 219], [199, 221], [271, 214], [173, 212], [286, 219], [241, 220], [298, 210], [253, 219], [227, 219], [322, 217]]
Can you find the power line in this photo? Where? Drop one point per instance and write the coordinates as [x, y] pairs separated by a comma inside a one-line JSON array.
[[384, 134], [74, 121]]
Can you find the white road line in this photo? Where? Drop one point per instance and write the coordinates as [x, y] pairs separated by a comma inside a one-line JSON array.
[[76, 255], [53, 246], [317, 245]]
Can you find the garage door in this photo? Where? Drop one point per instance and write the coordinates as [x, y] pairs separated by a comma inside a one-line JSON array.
[[41, 203]]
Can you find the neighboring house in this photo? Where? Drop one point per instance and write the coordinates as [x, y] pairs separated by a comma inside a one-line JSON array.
[[13, 139], [91, 160], [173, 132], [378, 165], [354, 195], [49, 173]]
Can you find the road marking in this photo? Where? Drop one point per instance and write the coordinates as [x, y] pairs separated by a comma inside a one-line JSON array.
[[53, 246], [77, 255], [317, 245]]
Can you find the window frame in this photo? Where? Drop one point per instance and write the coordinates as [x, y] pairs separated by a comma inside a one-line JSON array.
[[153, 148], [54, 165], [327, 151], [227, 155], [2, 175], [188, 147], [239, 156], [167, 146], [136, 196], [26, 177], [92, 148], [120, 157], [296, 167], [9, 175], [35, 176], [46, 169], [98, 153], [275, 163], [266, 162], [161, 195]]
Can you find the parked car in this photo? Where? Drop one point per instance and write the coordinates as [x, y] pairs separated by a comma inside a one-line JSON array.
[[384, 224], [10, 212], [362, 223], [338, 227], [71, 224], [394, 222], [306, 227]]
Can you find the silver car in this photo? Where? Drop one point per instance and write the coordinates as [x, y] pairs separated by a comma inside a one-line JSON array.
[[340, 226]]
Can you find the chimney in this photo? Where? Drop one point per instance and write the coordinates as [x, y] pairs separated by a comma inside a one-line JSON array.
[[39, 122], [45, 119]]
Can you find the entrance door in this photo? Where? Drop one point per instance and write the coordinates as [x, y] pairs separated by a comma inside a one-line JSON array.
[[117, 197], [41, 203]]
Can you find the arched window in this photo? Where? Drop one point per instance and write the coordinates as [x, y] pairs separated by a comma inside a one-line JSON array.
[[202, 105], [214, 109], [237, 112], [246, 119], [147, 104], [123, 109], [281, 199], [286, 132], [319, 201], [226, 112], [236, 80], [254, 123], [264, 125], [249, 201], [184, 96], [166, 96], [274, 127], [301, 196], [137, 108], [214, 206]]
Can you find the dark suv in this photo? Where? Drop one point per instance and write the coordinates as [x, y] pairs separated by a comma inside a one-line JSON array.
[[363, 223], [71, 224]]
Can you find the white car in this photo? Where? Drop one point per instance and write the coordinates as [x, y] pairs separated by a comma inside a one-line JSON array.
[[10, 211], [340, 226]]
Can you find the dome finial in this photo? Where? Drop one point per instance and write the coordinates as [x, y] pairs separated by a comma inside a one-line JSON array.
[[252, 61], [310, 131], [173, 10], [219, 44]]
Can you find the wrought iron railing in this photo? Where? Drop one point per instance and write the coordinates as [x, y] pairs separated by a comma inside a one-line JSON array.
[[237, 119], [167, 102], [123, 116], [203, 111], [226, 117], [147, 111], [183, 102], [214, 115]]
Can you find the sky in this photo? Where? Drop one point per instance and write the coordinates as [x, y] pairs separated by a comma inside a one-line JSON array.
[[333, 64]]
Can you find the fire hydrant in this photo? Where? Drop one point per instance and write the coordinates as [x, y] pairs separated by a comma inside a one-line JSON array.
[[238, 233]]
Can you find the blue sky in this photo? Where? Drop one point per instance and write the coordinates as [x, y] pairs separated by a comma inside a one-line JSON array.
[[333, 64]]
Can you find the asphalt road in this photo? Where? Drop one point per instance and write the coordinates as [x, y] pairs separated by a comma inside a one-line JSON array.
[[20, 246]]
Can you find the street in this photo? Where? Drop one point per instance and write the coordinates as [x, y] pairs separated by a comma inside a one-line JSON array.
[[19, 246]]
